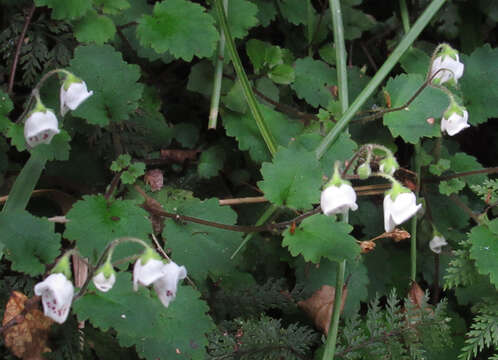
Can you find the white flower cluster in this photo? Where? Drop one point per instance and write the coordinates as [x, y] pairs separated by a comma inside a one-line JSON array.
[[447, 68], [42, 125], [57, 291]]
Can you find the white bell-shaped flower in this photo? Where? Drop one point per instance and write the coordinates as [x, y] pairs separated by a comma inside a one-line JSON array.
[[40, 127], [57, 295], [73, 93], [454, 122], [389, 165], [105, 277], [338, 199], [449, 63], [147, 273], [403, 207], [437, 243], [166, 285]]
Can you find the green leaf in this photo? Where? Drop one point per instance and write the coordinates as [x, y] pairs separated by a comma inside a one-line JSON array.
[[94, 28], [266, 11], [58, 149], [293, 179], [235, 99], [411, 124], [327, 53], [15, 132], [314, 277], [67, 10], [313, 77], [320, 236], [121, 163], [355, 21], [282, 74], [133, 172], [479, 84], [181, 27], [484, 250], [295, 11], [140, 320], [241, 17], [186, 134], [30, 242], [202, 249], [439, 168], [244, 128], [263, 54], [415, 61], [211, 162], [113, 81], [462, 162], [6, 107], [95, 221], [452, 186], [111, 6]]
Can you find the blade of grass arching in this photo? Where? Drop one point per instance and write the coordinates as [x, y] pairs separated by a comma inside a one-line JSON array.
[[342, 79], [25, 183], [405, 18], [309, 27], [218, 77], [391, 61], [242, 77]]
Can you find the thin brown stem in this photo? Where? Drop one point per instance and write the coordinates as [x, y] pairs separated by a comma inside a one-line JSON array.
[[369, 56], [113, 185], [244, 200], [462, 174], [465, 208], [20, 41]]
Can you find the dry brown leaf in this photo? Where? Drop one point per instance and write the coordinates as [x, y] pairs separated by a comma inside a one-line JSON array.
[[28, 338], [155, 179], [367, 246], [416, 294], [319, 306], [399, 235]]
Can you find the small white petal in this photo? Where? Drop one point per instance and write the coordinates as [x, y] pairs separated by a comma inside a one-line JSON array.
[[455, 123], [40, 127], [437, 243], [338, 199], [452, 69], [399, 210], [71, 98], [166, 286], [102, 283], [148, 273], [57, 295]]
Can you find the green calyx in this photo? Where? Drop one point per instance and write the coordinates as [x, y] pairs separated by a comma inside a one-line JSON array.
[[106, 269], [63, 266], [70, 79], [397, 189], [149, 254], [337, 180], [447, 50], [389, 165], [452, 109], [39, 107], [364, 171]]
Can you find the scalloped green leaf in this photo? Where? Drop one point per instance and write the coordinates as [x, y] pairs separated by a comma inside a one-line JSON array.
[[181, 27], [58, 149], [293, 179], [111, 6], [244, 128], [452, 186], [241, 17], [140, 320], [312, 81], [211, 162], [462, 162], [484, 250], [67, 10], [202, 249], [295, 11], [266, 11], [321, 236], [479, 84], [95, 221], [6, 107], [30, 242], [94, 28], [114, 84], [282, 74], [411, 124]]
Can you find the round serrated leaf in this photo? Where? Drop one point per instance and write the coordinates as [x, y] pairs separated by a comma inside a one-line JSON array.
[[113, 82], [94, 28], [68, 10], [320, 236], [181, 27], [95, 221], [484, 250], [30, 242], [140, 320], [411, 123], [293, 179]]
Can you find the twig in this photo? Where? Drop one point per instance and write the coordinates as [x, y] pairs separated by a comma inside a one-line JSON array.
[[29, 16], [244, 200], [462, 174], [465, 208], [369, 57], [113, 185]]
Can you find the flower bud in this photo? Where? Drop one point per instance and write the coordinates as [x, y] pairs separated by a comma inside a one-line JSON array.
[[73, 93], [388, 165], [447, 65], [364, 171], [105, 277]]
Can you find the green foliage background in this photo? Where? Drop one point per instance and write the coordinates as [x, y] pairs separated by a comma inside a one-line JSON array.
[[151, 65]]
